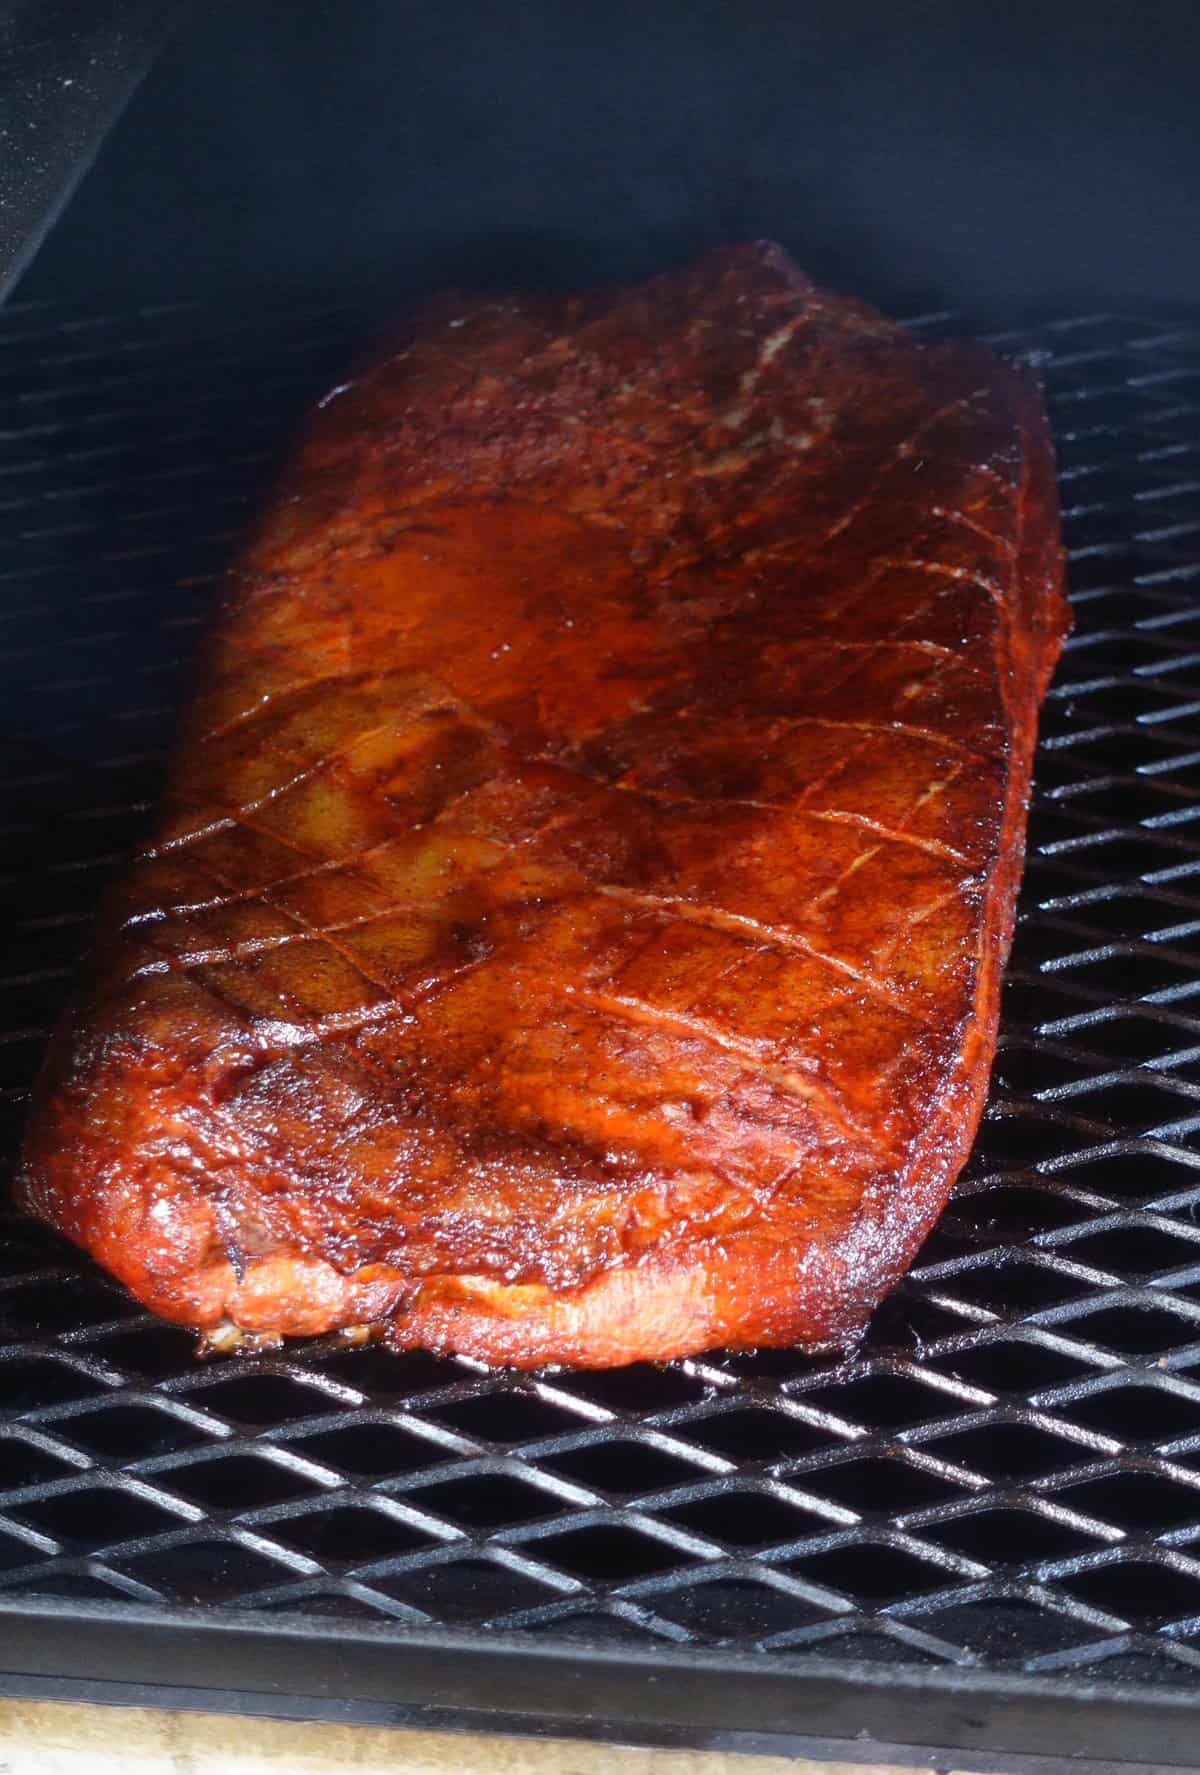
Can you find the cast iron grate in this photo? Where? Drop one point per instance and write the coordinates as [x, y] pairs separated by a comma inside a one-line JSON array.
[[1006, 1474]]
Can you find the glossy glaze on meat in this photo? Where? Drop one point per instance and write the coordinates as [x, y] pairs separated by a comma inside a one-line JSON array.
[[575, 927]]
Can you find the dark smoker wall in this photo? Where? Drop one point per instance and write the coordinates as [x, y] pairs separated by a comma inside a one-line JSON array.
[[996, 157]]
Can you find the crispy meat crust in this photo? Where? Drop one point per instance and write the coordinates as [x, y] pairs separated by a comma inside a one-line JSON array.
[[575, 926]]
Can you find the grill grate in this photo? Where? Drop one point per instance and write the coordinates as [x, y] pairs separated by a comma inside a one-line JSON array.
[[1005, 1476]]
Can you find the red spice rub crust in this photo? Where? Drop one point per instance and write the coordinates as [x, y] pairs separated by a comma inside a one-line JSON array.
[[575, 926]]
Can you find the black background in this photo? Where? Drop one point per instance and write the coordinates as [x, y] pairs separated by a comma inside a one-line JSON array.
[[1001, 158]]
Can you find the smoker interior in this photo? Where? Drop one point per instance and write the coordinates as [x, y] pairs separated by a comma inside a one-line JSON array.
[[1002, 1482]]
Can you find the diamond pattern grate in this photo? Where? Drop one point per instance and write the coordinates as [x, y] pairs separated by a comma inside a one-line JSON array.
[[1007, 1473]]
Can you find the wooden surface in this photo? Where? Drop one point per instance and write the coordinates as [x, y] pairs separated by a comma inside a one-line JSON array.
[[51, 1738]]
